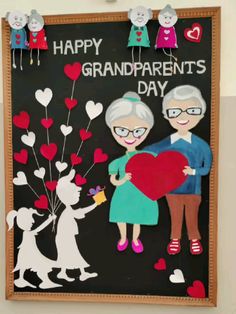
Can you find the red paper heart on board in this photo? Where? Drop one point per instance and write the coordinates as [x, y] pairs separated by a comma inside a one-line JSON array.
[[194, 34], [99, 156], [79, 180], [47, 123], [71, 103], [85, 135], [73, 71], [22, 120], [51, 185], [197, 290], [18, 36], [75, 160], [48, 151], [157, 176], [42, 202], [139, 33], [21, 157], [160, 264]]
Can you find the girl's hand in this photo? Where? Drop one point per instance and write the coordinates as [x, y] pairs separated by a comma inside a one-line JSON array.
[[128, 176]]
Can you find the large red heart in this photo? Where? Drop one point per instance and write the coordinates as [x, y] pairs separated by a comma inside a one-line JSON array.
[[157, 176], [71, 103], [99, 156], [42, 202], [160, 264], [22, 120], [51, 185], [84, 134], [194, 34], [47, 123], [79, 180], [75, 160], [48, 151], [21, 157], [197, 290], [73, 71]]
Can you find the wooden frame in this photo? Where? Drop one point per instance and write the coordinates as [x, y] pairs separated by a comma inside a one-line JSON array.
[[214, 13]]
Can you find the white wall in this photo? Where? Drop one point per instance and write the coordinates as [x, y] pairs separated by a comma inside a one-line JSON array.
[[227, 163]]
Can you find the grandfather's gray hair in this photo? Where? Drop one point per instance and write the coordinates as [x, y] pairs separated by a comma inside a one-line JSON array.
[[183, 92], [129, 105], [167, 9]]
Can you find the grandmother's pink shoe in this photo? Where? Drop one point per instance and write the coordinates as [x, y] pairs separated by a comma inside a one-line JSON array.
[[137, 248], [122, 247]]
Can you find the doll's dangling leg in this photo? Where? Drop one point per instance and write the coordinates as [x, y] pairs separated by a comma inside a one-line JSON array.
[[139, 54], [21, 67], [38, 61], [137, 245], [13, 59], [46, 282], [84, 275], [62, 275], [21, 282], [31, 57]]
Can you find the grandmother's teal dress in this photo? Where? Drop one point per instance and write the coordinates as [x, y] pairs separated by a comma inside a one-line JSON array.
[[128, 204]]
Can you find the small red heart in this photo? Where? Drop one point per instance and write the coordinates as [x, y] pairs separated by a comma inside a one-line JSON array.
[[71, 103], [17, 42], [160, 264], [48, 151], [42, 202], [99, 156], [194, 34], [75, 160], [51, 185], [18, 36], [84, 134], [139, 33], [73, 71], [197, 290], [157, 176], [22, 120], [139, 39], [79, 180], [47, 123], [21, 157]]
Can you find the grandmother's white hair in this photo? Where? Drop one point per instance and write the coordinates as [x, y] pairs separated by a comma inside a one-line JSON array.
[[168, 9], [183, 92], [129, 105]]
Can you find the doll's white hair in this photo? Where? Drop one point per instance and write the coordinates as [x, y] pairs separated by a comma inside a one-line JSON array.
[[168, 9], [183, 92], [35, 15], [129, 105]]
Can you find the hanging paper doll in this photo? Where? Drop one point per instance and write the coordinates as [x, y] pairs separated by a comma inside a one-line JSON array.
[[17, 21], [38, 39], [138, 36], [166, 35]]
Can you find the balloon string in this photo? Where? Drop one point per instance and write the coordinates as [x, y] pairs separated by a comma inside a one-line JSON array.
[[36, 194], [87, 172]]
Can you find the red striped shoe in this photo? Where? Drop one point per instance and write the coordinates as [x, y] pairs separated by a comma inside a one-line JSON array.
[[195, 247], [174, 247]]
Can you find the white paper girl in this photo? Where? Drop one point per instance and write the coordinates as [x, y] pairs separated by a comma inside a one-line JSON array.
[[29, 256], [69, 256]]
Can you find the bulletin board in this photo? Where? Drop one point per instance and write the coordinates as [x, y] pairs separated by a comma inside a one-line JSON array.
[[98, 44]]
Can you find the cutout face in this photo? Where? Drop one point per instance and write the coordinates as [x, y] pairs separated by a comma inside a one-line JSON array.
[[184, 115], [130, 132], [25, 220], [139, 16], [167, 19], [17, 20], [35, 26]]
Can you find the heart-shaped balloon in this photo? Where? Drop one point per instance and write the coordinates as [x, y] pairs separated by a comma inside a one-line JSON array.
[[99, 156], [84, 134], [47, 123], [51, 185], [66, 129], [21, 157], [157, 176], [42, 202], [22, 120], [44, 96], [40, 173], [73, 71], [71, 103], [48, 151], [79, 180], [93, 110], [75, 160], [28, 139], [20, 178], [61, 166]]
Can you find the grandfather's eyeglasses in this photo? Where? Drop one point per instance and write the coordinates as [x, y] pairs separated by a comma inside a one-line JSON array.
[[175, 112], [124, 132]]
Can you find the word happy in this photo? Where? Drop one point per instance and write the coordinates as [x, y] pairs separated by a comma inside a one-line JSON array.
[[77, 46]]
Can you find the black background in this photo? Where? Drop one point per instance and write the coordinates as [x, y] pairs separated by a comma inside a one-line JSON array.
[[125, 273]]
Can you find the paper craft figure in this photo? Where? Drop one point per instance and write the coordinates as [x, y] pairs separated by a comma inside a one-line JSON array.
[[29, 257], [184, 107], [17, 21], [69, 256], [138, 36], [166, 35], [130, 121], [38, 39]]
